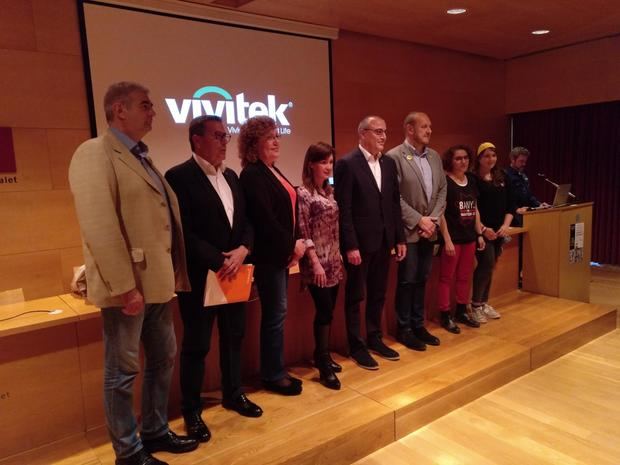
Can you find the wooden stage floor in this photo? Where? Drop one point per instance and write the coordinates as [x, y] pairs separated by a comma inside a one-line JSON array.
[[374, 409]]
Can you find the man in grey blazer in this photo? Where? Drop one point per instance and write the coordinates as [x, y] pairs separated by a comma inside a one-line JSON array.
[[422, 183], [135, 262]]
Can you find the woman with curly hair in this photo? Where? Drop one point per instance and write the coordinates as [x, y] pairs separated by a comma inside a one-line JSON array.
[[460, 229], [271, 204]]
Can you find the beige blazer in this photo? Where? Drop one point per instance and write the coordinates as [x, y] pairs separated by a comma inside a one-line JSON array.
[[413, 201], [131, 239]]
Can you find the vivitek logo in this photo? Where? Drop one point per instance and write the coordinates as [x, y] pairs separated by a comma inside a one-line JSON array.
[[234, 111]]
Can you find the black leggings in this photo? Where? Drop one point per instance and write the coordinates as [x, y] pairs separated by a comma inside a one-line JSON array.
[[324, 301]]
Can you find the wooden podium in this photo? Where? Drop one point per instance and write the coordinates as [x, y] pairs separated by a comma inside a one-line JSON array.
[[557, 250]]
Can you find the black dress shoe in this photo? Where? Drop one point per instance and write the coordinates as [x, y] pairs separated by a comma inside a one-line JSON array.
[[243, 406], [409, 340], [423, 335], [448, 323], [196, 428], [327, 375], [141, 457], [294, 380], [170, 442], [364, 360], [377, 346], [335, 366], [293, 388]]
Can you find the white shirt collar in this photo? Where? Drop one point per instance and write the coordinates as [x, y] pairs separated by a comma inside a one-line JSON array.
[[207, 167], [368, 156]]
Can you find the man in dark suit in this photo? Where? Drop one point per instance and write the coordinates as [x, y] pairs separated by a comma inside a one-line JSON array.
[[218, 237], [370, 226]]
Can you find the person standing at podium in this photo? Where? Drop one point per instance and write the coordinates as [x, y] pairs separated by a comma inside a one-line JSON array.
[[520, 185], [496, 209]]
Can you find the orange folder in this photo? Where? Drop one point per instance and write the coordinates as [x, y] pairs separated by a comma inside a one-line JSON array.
[[222, 291]]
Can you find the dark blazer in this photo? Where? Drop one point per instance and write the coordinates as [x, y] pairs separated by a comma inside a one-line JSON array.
[[206, 227], [271, 213], [369, 219]]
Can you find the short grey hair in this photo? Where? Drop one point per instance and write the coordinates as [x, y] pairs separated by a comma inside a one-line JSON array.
[[366, 121], [119, 92], [519, 151]]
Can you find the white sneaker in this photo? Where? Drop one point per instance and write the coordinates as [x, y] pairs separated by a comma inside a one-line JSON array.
[[490, 312], [479, 314]]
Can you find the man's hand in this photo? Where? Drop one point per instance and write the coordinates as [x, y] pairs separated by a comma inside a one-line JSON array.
[[133, 302], [234, 259], [354, 257], [427, 226], [401, 252]]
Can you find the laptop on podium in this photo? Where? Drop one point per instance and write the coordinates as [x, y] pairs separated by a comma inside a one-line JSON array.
[[561, 195]]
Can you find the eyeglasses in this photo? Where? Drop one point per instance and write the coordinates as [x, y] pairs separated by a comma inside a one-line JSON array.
[[378, 132], [222, 136]]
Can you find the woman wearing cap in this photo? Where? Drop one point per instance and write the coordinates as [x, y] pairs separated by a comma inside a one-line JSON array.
[[496, 209], [461, 232]]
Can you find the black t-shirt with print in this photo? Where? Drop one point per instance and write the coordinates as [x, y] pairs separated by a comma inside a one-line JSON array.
[[460, 211]]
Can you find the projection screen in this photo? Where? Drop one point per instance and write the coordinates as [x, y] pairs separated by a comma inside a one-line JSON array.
[[194, 66]]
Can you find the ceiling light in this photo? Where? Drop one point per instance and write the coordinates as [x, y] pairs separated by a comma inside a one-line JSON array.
[[540, 32], [456, 11]]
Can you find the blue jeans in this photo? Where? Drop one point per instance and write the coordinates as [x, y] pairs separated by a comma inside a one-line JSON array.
[[121, 337], [413, 272], [272, 282]]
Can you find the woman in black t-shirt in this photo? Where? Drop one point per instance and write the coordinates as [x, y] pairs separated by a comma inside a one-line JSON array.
[[496, 208], [460, 229]]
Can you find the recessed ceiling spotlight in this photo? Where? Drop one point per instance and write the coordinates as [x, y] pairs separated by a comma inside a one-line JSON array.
[[456, 11], [540, 32]]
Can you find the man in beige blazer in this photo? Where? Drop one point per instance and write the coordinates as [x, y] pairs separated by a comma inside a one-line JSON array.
[[422, 183], [135, 261]]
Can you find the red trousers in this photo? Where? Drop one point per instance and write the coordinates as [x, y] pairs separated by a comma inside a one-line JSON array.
[[459, 267]]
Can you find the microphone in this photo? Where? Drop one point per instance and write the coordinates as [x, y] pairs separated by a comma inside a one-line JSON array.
[[542, 175]]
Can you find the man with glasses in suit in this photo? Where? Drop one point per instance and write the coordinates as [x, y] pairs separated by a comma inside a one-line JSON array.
[[218, 237], [366, 188]]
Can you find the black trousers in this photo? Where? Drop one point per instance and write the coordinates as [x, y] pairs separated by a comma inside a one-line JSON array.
[[370, 280], [197, 330]]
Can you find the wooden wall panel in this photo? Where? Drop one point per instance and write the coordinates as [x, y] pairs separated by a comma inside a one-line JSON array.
[[61, 145], [38, 220], [56, 26], [31, 156], [575, 75], [33, 365], [16, 25], [38, 273], [463, 94], [42, 90]]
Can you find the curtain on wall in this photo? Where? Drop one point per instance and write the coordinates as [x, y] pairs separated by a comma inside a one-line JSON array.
[[578, 145]]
